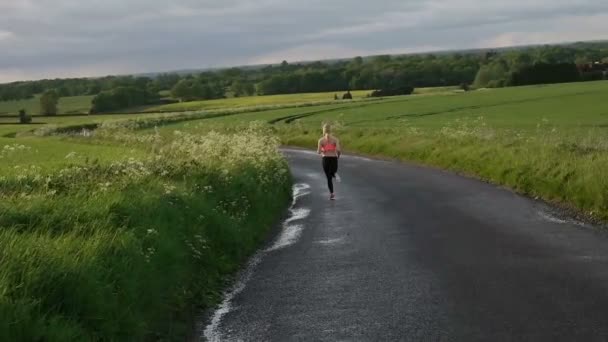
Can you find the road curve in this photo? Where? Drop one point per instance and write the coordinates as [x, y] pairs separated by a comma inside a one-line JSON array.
[[414, 254]]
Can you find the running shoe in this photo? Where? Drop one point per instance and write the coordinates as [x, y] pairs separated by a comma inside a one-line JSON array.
[[332, 197], [338, 179]]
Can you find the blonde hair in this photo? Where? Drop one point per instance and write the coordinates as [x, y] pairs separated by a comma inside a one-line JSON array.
[[326, 129]]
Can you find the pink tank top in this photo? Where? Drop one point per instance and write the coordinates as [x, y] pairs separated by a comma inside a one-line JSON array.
[[329, 147]]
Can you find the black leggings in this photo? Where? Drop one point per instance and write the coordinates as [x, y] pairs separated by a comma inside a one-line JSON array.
[[330, 166]]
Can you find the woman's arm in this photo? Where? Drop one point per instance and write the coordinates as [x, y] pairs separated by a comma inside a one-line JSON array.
[[319, 147], [338, 147]]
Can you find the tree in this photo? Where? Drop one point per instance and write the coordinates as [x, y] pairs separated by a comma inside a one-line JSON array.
[[237, 88], [198, 89], [48, 102], [382, 59], [119, 98], [102, 102], [63, 91], [249, 88], [23, 117], [582, 60], [493, 74], [167, 81], [545, 73], [182, 90], [94, 89]]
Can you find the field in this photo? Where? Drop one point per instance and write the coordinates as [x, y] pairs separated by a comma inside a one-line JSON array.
[[252, 101], [142, 221], [67, 105], [544, 141], [82, 104]]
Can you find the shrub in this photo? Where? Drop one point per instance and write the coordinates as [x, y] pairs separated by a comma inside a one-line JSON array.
[[24, 118], [48, 102], [404, 90]]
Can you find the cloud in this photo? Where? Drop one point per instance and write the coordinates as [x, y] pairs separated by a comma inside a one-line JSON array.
[[553, 31], [56, 38], [6, 36]]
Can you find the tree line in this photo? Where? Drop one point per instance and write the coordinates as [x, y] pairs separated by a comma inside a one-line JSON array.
[[390, 74], [543, 65]]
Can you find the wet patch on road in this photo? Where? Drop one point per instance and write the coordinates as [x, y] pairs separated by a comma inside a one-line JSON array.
[[289, 235]]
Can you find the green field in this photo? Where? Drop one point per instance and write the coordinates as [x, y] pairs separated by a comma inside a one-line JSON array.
[[564, 105], [125, 221], [252, 101], [82, 104], [544, 141], [67, 105]]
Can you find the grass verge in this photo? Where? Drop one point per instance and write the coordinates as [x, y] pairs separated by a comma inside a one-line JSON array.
[[127, 250]]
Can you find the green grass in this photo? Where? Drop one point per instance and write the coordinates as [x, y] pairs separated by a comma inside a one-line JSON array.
[[82, 104], [8, 126], [67, 105], [436, 90], [251, 101], [545, 141], [128, 238], [55, 153]]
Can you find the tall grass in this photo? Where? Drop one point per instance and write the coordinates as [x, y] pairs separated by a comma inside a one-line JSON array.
[[128, 250], [563, 166]]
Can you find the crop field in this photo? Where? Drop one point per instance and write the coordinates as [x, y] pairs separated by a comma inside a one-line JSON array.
[[544, 141], [82, 104], [251, 101]]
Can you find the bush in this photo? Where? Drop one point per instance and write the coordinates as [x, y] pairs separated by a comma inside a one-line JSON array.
[[48, 102], [122, 97], [404, 90], [496, 84], [24, 118], [545, 73], [592, 76], [492, 75]]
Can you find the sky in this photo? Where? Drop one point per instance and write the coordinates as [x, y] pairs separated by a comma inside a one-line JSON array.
[[78, 38]]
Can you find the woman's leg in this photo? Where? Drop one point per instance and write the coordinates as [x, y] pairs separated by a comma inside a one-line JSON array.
[[335, 167], [327, 168]]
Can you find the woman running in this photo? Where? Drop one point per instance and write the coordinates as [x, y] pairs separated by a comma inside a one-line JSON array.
[[329, 148]]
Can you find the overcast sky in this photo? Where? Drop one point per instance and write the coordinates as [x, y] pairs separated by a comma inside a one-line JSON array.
[[66, 38]]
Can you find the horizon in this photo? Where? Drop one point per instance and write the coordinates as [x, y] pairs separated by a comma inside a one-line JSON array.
[[67, 39], [195, 69]]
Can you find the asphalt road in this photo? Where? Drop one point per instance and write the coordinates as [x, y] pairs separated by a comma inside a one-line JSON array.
[[414, 254]]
